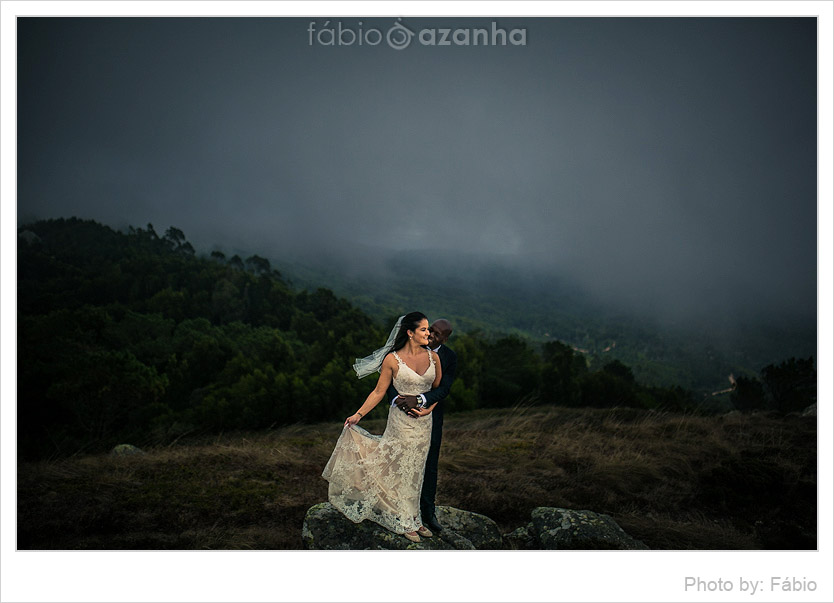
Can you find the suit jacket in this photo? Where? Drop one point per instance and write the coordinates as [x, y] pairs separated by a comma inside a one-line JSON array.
[[448, 364]]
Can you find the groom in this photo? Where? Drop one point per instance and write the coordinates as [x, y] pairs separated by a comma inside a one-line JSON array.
[[439, 333]]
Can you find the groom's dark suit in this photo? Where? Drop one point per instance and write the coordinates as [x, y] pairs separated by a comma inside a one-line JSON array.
[[448, 364]]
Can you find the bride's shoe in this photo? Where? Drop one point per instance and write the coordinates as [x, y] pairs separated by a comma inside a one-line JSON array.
[[412, 536], [425, 532]]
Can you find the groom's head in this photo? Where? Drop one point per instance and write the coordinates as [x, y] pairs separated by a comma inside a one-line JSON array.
[[439, 332]]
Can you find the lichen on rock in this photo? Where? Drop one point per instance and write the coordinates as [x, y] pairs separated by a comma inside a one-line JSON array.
[[126, 449], [557, 528]]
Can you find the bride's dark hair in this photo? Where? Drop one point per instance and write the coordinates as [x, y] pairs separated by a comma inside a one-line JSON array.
[[410, 322]]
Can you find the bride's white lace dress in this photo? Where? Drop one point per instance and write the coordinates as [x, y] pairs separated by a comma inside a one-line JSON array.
[[380, 477]]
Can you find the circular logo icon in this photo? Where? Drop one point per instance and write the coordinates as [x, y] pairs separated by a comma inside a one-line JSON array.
[[399, 36]]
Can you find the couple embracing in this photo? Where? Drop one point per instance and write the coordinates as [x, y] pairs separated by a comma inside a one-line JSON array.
[[392, 479]]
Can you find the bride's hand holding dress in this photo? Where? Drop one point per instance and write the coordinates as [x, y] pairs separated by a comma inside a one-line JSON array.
[[386, 375]]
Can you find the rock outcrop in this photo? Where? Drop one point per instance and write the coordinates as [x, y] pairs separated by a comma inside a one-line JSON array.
[[29, 237], [553, 528], [550, 528], [478, 529], [126, 449], [325, 528]]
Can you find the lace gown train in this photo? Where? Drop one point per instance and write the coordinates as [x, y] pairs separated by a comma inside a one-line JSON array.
[[380, 477]]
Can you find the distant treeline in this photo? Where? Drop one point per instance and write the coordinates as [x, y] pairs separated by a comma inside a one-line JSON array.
[[130, 337]]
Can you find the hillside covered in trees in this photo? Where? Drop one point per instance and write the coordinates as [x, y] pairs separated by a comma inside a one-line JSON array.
[[663, 347], [133, 337]]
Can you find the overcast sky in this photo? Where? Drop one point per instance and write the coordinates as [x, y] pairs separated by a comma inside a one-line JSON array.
[[656, 161]]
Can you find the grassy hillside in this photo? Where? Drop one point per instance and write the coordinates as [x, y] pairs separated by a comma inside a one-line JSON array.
[[675, 481]]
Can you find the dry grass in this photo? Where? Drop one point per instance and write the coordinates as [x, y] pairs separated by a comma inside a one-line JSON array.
[[674, 481]]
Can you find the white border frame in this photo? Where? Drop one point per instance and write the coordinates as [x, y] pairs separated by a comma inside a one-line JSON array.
[[484, 576]]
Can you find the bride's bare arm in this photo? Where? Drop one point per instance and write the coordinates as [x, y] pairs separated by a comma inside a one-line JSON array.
[[386, 375]]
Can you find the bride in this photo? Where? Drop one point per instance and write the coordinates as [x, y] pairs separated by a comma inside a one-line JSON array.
[[380, 477]]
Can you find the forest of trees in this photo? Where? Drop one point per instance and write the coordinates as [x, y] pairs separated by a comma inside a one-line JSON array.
[[131, 337]]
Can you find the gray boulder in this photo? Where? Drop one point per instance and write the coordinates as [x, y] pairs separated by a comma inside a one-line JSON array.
[[479, 529], [522, 538], [29, 237], [325, 528], [553, 528], [126, 449]]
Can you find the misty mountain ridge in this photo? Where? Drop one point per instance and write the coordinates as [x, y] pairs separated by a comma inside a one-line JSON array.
[[465, 286], [496, 296]]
